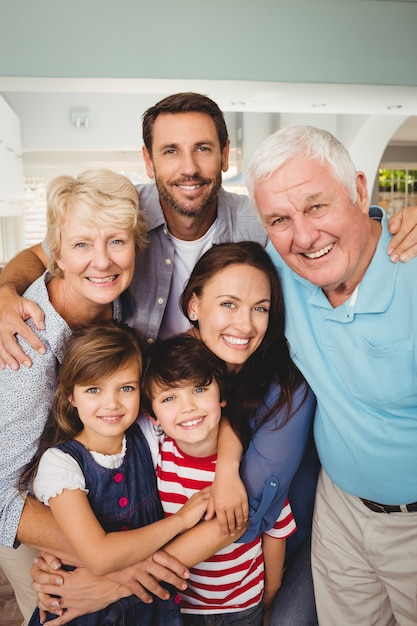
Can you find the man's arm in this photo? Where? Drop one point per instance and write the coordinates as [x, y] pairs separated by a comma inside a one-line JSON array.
[[24, 268], [15, 278]]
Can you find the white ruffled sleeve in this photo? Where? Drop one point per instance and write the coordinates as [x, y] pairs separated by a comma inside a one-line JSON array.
[[57, 471], [154, 435]]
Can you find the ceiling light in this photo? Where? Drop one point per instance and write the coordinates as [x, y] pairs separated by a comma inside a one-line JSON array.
[[80, 118]]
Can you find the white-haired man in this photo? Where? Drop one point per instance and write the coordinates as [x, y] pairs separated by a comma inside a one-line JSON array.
[[352, 328]]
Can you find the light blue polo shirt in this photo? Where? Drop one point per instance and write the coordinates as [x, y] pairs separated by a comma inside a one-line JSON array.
[[361, 362]]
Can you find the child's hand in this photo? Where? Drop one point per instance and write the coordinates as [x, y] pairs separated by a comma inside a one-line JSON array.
[[193, 510], [229, 502]]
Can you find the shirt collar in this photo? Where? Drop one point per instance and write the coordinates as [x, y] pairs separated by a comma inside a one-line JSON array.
[[372, 298]]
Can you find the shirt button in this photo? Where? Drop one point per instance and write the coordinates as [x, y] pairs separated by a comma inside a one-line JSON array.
[[160, 301], [167, 261], [118, 477], [149, 341], [123, 502]]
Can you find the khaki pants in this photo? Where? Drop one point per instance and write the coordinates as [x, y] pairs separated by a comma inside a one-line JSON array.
[[364, 563], [16, 565]]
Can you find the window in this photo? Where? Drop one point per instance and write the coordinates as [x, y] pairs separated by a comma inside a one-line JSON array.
[[34, 210], [397, 189]]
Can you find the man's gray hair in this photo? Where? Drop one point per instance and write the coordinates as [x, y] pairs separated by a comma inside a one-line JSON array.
[[306, 142]]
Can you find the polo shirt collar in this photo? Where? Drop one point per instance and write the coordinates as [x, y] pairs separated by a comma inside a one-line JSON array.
[[376, 289]]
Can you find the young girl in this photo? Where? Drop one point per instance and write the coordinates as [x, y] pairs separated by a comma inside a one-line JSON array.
[[95, 471]]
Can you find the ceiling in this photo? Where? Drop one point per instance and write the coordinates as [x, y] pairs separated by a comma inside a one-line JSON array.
[[252, 95], [44, 106]]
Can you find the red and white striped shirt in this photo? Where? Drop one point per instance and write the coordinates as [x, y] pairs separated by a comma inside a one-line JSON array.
[[233, 579]]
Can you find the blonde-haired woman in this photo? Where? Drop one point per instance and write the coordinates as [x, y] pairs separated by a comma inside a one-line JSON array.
[[94, 230]]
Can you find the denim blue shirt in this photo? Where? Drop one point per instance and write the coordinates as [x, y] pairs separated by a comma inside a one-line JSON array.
[[273, 457], [361, 362], [25, 399]]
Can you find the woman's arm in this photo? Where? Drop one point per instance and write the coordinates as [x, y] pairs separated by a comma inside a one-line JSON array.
[[272, 459], [228, 499], [24, 403], [267, 467]]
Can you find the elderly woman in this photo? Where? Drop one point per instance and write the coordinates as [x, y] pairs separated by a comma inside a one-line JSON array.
[[94, 230]]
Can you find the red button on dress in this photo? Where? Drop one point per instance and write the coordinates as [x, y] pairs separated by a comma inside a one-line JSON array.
[[123, 502], [118, 477]]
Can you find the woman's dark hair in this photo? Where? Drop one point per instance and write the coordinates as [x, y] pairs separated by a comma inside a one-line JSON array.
[[187, 102], [271, 360], [93, 353], [178, 360]]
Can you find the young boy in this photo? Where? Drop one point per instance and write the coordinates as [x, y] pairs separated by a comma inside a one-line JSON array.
[[183, 392]]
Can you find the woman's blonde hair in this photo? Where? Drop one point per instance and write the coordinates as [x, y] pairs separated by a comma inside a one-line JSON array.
[[99, 197]]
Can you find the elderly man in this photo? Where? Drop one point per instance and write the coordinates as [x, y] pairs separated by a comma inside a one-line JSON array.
[[352, 328]]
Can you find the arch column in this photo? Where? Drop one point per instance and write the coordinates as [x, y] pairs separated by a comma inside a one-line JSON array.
[[367, 141], [255, 128]]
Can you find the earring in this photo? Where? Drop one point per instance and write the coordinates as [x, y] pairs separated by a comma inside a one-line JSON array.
[[192, 316]]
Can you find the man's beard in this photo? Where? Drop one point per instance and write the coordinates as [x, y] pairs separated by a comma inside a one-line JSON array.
[[182, 208]]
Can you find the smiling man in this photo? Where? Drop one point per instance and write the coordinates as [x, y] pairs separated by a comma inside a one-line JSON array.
[[186, 168], [186, 149], [352, 328]]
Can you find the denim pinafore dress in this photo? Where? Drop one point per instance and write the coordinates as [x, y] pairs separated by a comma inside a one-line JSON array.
[[123, 499]]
